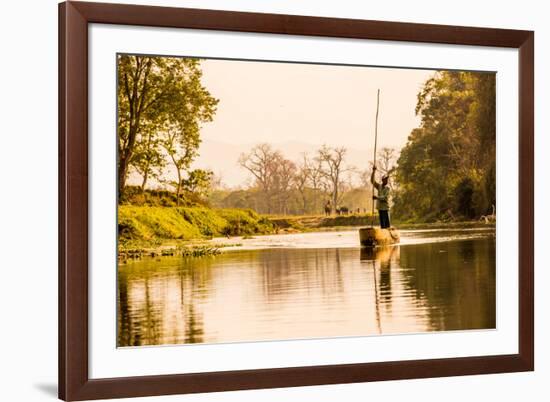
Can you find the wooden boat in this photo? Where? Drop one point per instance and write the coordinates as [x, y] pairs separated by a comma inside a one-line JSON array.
[[372, 237]]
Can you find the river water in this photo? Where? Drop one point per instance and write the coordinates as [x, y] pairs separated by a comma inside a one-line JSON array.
[[311, 285]]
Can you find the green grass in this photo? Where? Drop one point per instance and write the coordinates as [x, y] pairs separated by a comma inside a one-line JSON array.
[[153, 224]]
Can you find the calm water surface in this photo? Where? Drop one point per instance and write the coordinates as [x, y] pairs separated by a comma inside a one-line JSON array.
[[309, 286]]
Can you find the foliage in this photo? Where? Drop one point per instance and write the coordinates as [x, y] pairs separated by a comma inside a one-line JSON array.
[[161, 104], [186, 223], [244, 222], [134, 195], [446, 170], [199, 182]]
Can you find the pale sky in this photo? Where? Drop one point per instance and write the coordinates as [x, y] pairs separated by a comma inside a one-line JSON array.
[[316, 104], [298, 108]]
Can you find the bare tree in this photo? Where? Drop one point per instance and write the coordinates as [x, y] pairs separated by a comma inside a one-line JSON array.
[[317, 180], [387, 159], [387, 162], [262, 162], [284, 177], [301, 179], [332, 162]]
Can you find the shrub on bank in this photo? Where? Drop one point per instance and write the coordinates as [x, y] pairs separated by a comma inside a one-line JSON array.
[[244, 222]]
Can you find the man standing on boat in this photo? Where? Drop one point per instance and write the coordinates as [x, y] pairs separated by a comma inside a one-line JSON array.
[[382, 199]]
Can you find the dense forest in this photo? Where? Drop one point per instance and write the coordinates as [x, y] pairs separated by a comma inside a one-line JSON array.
[[445, 172], [447, 168]]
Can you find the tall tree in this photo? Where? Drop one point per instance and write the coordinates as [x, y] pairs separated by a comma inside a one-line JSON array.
[[301, 180], [332, 162], [446, 167], [181, 137], [153, 93], [285, 174], [147, 159], [182, 148], [262, 162], [199, 182]]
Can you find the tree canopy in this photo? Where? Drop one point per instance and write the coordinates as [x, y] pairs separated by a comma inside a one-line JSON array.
[[447, 168], [161, 105]]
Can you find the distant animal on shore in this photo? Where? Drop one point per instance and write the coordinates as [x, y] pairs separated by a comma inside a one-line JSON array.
[[489, 218], [342, 210], [328, 208]]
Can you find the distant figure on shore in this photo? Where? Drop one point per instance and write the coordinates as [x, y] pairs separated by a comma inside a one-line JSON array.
[[342, 210], [328, 208], [382, 199]]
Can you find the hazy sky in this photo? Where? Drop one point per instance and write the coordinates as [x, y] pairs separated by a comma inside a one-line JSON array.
[[298, 108], [315, 104]]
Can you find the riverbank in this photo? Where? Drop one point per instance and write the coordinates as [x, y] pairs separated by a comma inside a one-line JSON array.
[[154, 231], [321, 222]]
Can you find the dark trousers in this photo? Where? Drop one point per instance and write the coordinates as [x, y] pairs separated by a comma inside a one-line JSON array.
[[384, 218]]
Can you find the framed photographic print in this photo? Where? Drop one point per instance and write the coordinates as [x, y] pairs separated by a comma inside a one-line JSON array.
[[259, 200]]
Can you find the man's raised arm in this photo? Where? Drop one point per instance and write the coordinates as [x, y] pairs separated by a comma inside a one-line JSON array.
[[372, 180]]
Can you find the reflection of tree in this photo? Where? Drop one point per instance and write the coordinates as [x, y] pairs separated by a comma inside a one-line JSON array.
[[193, 326], [160, 309], [455, 279], [124, 329]]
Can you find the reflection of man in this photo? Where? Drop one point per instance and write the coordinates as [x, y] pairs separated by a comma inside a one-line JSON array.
[[382, 199]]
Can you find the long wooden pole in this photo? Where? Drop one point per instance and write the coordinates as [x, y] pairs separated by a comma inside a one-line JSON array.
[[374, 157]]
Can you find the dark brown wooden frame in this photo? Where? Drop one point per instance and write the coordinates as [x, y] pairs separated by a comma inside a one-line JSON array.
[[74, 17]]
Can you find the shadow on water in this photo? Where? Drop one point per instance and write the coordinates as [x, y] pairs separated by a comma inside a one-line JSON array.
[[284, 293]]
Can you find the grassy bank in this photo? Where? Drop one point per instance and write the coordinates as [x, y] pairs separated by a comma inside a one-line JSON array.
[[312, 222], [319, 222], [150, 225], [169, 231]]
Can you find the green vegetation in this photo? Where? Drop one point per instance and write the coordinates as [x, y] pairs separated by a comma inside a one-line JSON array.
[[447, 169], [445, 173], [155, 224], [161, 105], [199, 251], [306, 223]]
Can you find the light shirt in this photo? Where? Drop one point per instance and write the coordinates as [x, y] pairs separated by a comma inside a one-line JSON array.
[[382, 203]]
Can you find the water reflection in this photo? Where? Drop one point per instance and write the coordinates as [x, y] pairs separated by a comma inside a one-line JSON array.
[[276, 293]]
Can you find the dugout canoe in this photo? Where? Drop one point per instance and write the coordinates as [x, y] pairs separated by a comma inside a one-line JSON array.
[[372, 237]]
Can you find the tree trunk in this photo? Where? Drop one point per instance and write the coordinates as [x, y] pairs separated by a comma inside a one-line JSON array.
[[122, 173], [144, 182], [124, 161], [335, 197], [178, 188]]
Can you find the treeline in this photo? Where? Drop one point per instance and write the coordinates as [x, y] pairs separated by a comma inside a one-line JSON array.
[[161, 106], [446, 171], [320, 184]]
